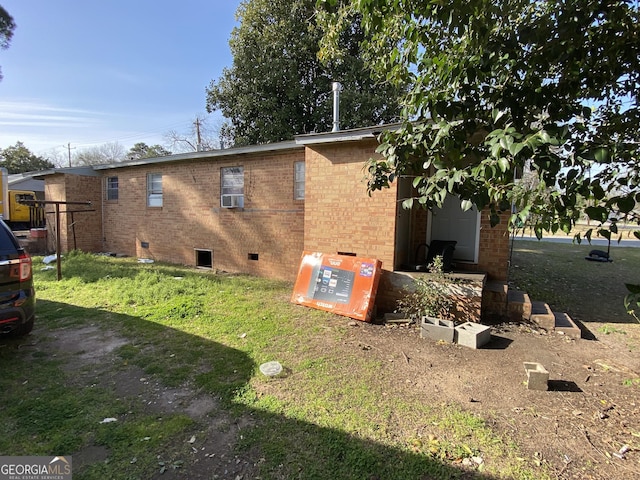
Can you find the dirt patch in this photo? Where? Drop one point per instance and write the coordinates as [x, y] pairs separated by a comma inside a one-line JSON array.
[[89, 354], [580, 428]]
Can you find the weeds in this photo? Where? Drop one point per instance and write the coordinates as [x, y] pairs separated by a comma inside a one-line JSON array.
[[429, 295], [207, 332], [608, 329]]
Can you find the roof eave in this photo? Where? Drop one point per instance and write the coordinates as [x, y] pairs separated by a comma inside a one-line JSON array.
[[209, 154], [351, 135]]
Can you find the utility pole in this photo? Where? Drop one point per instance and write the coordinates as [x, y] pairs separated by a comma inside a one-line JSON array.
[[69, 149], [199, 144]]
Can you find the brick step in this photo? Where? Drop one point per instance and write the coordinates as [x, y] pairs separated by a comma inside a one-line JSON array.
[[501, 301], [564, 324], [542, 315], [494, 301], [494, 286], [518, 306]]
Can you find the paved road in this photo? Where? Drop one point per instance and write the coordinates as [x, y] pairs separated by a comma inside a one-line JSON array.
[[595, 242]]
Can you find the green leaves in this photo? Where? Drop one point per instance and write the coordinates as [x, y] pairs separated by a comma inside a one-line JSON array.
[[626, 204], [539, 91], [632, 300], [19, 159], [599, 214], [503, 164]]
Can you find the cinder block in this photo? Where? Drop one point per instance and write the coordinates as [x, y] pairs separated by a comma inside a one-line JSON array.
[[472, 335], [537, 376], [437, 329]]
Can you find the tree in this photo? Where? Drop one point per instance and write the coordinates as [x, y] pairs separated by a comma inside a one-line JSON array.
[[19, 159], [101, 155], [200, 137], [278, 87], [496, 84], [7, 26], [142, 150]]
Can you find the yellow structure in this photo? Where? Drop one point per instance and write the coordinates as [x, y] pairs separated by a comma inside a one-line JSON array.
[[11, 210]]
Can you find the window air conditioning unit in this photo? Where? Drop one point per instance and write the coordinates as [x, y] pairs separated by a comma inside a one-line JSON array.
[[232, 201]]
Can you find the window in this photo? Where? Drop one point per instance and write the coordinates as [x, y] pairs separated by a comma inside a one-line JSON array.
[[112, 188], [232, 187], [25, 197], [154, 190], [298, 181]]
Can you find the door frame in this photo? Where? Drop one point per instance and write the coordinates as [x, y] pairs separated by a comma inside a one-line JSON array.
[[476, 252]]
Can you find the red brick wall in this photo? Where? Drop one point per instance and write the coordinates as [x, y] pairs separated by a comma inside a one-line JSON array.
[[493, 255], [81, 230], [270, 224], [339, 214]]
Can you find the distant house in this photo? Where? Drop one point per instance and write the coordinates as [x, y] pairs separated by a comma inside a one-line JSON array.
[[255, 210]]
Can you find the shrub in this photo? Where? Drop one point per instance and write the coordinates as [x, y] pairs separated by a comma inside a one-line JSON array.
[[430, 294]]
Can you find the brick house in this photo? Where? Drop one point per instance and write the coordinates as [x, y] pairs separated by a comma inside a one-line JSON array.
[[256, 209]]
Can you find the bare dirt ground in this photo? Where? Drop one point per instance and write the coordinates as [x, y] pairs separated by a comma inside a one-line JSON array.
[[579, 427], [587, 426], [89, 352]]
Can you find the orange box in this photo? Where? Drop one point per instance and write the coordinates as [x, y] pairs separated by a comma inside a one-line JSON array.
[[340, 284]]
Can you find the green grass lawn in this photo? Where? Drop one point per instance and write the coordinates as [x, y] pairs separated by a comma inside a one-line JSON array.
[[209, 332], [559, 275]]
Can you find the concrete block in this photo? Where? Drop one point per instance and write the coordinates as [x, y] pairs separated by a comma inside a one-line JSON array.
[[472, 335], [537, 376], [437, 329]]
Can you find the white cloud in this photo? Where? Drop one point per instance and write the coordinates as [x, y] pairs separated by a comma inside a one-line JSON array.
[[41, 126], [44, 127], [30, 114]]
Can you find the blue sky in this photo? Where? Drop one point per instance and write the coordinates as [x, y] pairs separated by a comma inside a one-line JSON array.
[[94, 72]]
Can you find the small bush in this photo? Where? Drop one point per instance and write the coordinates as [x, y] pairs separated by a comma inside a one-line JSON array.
[[430, 295]]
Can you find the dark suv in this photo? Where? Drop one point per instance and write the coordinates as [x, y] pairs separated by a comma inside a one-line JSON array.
[[17, 295]]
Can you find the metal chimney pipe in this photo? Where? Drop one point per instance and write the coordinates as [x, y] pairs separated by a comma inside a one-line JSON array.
[[336, 87]]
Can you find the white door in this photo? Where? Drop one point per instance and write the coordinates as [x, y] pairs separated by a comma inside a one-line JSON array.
[[452, 223]]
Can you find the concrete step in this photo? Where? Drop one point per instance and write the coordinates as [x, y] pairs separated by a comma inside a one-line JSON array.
[[518, 306], [564, 324], [542, 315]]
